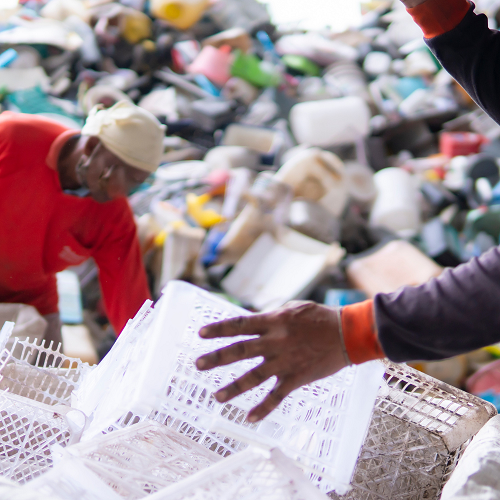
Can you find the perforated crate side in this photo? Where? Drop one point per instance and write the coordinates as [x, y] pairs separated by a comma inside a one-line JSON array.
[[419, 429], [310, 425], [249, 475], [68, 480], [36, 372], [28, 429], [143, 459]]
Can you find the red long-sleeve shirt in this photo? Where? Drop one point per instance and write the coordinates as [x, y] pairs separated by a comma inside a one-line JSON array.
[[44, 230]]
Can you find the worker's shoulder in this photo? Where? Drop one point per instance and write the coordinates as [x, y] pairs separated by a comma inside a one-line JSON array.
[[24, 127], [116, 215]]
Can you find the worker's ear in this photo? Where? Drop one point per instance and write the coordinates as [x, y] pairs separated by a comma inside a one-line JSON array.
[[91, 143]]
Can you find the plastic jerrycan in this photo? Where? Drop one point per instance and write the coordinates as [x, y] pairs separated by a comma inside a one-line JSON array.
[[181, 14], [318, 176]]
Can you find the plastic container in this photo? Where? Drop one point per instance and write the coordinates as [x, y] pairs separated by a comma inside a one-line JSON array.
[[181, 14], [360, 183], [68, 480], [232, 157], [142, 459], [396, 205], [476, 475], [396, 264], [267, 142], [377, 63], [213, 63], [340, 298], [28, 430], [39, 373], [460, 143], [313, 220], [157, 379], [250, 68], [70, 297], [419, 430], [277, 269], [236, 38], [240, 90], [252, 475], [486, 379], [317, 176], [330, 122]]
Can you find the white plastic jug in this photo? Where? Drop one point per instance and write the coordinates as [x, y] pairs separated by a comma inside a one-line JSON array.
[[396, 206], [316, 175], [330, 122]]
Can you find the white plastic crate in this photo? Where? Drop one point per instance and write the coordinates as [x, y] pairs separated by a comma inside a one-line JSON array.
[[142, 459], [68, 480], [321, 425], [419, 430], [250, 475], [27, 431], [36, 372]]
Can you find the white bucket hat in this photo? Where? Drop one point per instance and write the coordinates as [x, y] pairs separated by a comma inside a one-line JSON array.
[[131, 133]]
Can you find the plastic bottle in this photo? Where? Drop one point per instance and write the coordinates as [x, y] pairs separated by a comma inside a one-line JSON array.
[[181, 14], [213, 63], [317, 175], [330, 122], [250, 68], [396, 206]]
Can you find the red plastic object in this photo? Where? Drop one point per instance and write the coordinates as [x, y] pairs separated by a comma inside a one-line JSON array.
[[485, 379], [460, 143]]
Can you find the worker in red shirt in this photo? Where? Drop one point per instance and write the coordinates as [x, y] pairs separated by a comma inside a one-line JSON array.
[[63, 200]]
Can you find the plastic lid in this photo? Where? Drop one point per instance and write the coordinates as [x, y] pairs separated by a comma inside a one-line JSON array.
[[172, 10]]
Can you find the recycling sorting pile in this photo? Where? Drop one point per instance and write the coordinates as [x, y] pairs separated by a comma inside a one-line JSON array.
[[297, 165]]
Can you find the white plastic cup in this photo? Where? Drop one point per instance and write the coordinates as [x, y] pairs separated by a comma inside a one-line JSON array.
[[396, 205], [330, 122]]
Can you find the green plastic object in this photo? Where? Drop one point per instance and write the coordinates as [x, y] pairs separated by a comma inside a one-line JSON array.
[[250, 68], [486, 219], [35, 101], [301, 64]]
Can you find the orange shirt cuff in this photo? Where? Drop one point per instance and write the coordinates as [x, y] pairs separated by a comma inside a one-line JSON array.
[[436, 17], [360, 332]]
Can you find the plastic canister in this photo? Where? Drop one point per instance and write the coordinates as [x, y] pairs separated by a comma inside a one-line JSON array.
[[318, 176], [331, 121], [179, 13], [213, 63], [396, 206], [360, 183]]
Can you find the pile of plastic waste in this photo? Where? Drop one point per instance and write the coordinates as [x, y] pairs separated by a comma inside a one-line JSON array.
[[318, 165]]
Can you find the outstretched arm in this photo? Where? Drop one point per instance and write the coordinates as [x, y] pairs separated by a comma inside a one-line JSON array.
[[464, 45], [303, 341]]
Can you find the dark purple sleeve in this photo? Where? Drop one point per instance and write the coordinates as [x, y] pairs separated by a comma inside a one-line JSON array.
[[471, 54], [455, 313]]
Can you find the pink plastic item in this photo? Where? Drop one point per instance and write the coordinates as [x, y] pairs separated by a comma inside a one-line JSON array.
[[485, 379], [213, 63]]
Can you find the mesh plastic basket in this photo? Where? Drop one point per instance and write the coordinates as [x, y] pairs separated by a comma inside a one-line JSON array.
[[249, 475], [419, 430], [40, 373], [143, 459], [68, 480], [27, 431], [321, 426]]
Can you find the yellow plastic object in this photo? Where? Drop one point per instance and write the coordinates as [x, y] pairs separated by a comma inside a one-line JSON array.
[[162, 235], [494, 350], [181, 14], [136, 27], [205, 218]]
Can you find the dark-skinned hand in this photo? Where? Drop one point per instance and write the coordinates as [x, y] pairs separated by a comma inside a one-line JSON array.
[[300, 343]]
